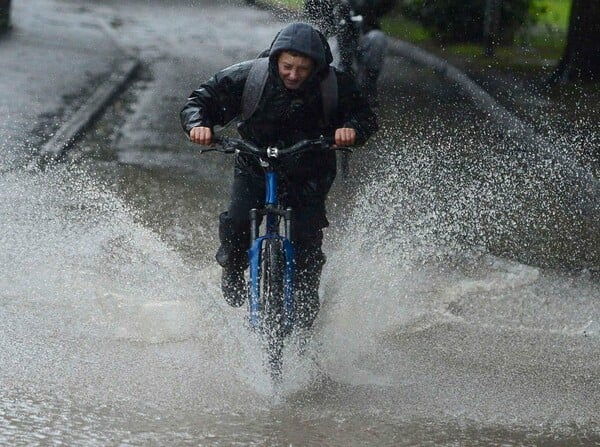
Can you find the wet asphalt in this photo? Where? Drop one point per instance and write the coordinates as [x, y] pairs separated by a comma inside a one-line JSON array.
[[460, 299]]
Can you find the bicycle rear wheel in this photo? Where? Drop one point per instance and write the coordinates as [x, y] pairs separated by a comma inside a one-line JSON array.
[[272, 298]]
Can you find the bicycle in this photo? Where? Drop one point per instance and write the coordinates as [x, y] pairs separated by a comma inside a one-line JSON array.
[[271, 255]]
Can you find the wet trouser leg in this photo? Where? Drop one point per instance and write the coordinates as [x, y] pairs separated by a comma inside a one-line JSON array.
[[348, 42], [234, 224], [307, 236], [234, 234], [371, 57], [310, 217], [309, 264]]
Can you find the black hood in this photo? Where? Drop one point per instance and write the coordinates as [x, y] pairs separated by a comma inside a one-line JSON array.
[[303, 38]]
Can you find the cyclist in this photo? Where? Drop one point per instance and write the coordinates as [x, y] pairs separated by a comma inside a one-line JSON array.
[[290, 109], [362, 43]]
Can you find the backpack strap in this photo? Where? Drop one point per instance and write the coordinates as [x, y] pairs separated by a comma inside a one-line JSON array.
[[329, 94], [257, 79], [255, 85]]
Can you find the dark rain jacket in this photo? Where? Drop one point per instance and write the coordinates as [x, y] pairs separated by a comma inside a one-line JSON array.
[[284, 117], [372, 11], [326, 12]]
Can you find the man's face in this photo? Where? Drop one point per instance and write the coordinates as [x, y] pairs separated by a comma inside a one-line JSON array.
[[294, 69]]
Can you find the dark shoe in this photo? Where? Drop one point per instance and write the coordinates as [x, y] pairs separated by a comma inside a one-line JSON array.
[[233, 285]]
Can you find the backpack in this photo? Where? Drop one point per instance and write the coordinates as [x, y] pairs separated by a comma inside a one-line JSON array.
[[255, 85]]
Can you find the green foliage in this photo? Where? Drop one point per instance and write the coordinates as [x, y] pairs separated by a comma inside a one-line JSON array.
[[462, 20], [294, 4], [552, 13], [542, 33], [548, 35], [401, 28]]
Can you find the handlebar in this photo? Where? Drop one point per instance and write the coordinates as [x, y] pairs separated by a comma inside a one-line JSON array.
[[229, 145]]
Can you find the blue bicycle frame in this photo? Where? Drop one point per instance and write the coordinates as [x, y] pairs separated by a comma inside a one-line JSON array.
[[271, 293], [273, 213]]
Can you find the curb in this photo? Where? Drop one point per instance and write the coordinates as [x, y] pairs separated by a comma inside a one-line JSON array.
[[82, 118], [123, 73], [68, 133]]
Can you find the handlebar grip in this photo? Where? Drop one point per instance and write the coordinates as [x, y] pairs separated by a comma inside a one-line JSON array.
[[227, 144], [230, 145], [330, 140]]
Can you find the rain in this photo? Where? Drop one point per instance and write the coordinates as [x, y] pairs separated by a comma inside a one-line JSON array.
[[460, 298]]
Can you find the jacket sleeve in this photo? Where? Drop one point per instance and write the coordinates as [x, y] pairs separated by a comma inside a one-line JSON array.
[[218, 100], [354, 110]]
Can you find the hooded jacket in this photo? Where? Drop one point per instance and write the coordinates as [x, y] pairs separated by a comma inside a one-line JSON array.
[[305, 39], [283, 116]]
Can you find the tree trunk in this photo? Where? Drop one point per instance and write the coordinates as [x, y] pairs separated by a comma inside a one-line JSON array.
[[4, 15], [581, 58], [491, 25]]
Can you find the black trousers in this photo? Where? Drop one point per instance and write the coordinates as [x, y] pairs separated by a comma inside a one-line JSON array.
[[308, 204]]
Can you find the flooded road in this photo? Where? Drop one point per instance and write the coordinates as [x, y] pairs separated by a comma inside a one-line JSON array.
[[434, 330]]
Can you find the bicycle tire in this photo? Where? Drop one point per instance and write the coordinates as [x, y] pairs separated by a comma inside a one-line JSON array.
[[272, 298]]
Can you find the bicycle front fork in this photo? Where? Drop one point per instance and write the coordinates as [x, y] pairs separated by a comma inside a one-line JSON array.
[[273, 219], [256, 243]]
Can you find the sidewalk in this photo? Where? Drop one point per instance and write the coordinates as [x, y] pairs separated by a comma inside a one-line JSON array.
[[53, 58]]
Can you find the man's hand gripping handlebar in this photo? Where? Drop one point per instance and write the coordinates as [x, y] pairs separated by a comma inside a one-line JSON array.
[[229, 145]]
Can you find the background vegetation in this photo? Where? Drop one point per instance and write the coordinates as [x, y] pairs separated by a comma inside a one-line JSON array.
[[537, 28]]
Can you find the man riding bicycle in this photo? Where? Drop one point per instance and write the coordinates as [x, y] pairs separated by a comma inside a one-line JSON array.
[[361, 42], [290, 108]]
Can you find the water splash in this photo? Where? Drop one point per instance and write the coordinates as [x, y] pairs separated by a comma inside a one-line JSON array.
[[416, 300], [95, 305]]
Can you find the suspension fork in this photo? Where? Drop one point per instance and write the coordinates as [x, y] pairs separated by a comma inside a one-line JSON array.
[[273, 216]]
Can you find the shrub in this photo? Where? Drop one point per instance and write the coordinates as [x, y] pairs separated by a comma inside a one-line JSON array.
[[462, 20]]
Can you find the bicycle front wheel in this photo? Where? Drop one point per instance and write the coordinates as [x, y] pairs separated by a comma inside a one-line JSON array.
[[272, 301]]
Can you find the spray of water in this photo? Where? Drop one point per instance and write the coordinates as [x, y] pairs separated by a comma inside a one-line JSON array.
[[417, 298], [419, 318], [95, 305]]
